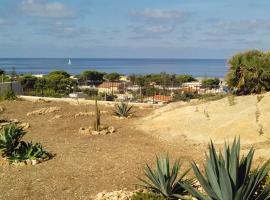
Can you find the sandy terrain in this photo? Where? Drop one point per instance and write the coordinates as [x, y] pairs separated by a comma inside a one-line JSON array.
[[85, 165], [217, 120]]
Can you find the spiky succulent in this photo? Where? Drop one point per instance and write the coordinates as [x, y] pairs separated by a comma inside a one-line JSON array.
[[123, 110], [10, 138], [29, 151], [229, 177], [165, 180]]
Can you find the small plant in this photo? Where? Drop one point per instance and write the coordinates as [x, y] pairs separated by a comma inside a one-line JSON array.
[[9, 95], [206, 114], [147, 196], [257, 114], [231, 99], [10, 138], [14, 149], [29, 151], [229, 177], [196, 109], [259, 98], [164, 180], [97, 117], [123, 110], [260, 129]]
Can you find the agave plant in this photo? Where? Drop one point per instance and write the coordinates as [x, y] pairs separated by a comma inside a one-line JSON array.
[[29, 151], [123, 110], [10, 138], [164, 180], [229, 177]]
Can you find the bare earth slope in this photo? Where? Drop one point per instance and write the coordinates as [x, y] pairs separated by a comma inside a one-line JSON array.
[[218, 120]]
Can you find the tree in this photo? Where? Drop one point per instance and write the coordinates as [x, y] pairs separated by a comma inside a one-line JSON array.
[[28, 82], [112, 76], [210, 83], [249, 72], [2, 72], [184, 78], [93, 76]]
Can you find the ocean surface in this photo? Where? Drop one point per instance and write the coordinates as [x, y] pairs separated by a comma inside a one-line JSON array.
[[195, 67]]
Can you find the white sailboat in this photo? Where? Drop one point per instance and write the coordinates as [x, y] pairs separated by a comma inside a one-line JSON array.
[[69, 62]]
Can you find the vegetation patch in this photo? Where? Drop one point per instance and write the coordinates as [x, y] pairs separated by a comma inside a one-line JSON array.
[[17, 151], [123, 110]]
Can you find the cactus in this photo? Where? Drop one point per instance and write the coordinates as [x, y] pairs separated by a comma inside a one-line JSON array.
[[97, 117]]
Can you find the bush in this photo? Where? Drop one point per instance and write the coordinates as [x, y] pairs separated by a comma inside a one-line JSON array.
[[9, 95], [123, 110], [147, 196], [29, 151], [228, 176], [249, 72], [187, 96], [10, 138], [164, 180], [13, 148], [211, 83]]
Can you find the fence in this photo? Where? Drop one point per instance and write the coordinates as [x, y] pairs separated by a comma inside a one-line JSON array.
[[15, 86], [125, 91]]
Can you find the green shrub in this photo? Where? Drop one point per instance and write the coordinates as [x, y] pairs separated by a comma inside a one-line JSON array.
[[147, 196], [10, 138], [29, 151], [228, 176], [187, 96], [164, 180], [123, 110], [231, 99], [9, 95], [13, 148]]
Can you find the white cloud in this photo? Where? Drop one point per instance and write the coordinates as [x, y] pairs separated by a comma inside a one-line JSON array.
[[41, 8], [160, 15]]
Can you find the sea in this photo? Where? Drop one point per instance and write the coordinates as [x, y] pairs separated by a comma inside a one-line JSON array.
[[196, 67]]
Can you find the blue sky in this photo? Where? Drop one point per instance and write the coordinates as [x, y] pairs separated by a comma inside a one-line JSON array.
[[132, 29]]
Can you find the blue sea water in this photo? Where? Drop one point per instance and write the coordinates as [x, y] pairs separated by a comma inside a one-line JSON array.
[[195, 67]]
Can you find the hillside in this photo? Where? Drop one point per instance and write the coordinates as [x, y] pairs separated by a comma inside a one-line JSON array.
[[248, 117]]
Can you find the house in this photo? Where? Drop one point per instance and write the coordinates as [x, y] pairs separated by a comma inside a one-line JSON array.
[[111, 87], [158, 99]]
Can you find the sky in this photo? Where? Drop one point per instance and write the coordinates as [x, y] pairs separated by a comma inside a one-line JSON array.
[[132, 28]]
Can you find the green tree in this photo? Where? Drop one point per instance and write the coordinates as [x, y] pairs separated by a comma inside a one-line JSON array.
[[112, 76], [184, 78], [249, 72], [93, 76], [210, 83], [28, 82]]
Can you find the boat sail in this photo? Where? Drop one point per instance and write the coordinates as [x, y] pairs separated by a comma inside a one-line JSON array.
[[69, 61]]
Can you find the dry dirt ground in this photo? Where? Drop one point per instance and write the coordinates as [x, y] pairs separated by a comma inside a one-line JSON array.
[[85, 165]]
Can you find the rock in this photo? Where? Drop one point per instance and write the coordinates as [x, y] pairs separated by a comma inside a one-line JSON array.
[[111, 129], [104, 112], [115, 195], [24, 125], [44, 111], [95, 132], [81, 114], [1, 109], [84, 131], [104, 132], [15, 121], [34, 162], [56, 117]]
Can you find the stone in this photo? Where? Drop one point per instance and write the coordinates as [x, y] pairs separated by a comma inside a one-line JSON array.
[[111, 129], [1, 109], [44, 111], [24, 125], [104, 132], [81, 114], [95, 132], [84, 131], [56, 117]]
